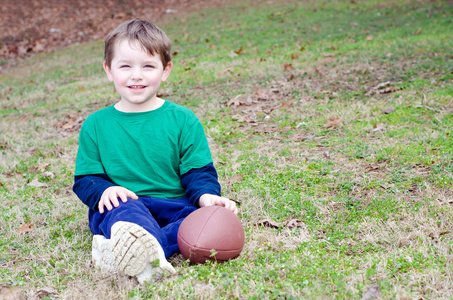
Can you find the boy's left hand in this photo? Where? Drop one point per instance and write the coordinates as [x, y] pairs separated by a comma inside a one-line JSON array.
[[210, 200]]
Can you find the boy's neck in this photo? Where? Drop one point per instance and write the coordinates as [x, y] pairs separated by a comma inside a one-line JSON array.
[[143, 107]]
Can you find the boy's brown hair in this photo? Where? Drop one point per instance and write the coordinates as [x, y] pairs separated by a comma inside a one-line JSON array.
[[149, 36]]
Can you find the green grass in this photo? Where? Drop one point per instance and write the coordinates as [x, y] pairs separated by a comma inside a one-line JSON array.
[[373, 193]]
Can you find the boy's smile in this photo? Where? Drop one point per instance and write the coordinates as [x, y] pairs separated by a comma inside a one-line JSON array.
[[137, 76]]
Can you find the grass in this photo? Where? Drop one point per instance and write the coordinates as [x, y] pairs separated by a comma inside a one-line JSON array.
[[372, 191]]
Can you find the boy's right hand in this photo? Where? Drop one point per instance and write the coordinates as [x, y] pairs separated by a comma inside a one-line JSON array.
[[111, 195]]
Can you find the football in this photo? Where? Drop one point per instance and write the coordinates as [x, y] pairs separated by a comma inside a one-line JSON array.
[[211, 233]]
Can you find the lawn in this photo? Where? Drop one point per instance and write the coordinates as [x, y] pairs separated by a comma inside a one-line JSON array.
[[330, 121]]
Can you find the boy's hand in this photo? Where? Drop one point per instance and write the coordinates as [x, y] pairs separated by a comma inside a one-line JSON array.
[[210, 200], [111, 195]]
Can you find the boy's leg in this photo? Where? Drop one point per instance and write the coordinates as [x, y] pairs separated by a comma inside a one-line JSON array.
[[169, 213], [133, 211], [136, 239]]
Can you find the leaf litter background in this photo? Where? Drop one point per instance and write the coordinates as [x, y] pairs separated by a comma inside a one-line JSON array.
[[34, 26]]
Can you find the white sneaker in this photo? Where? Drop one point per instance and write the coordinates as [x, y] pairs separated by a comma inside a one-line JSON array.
[[102, 254], [137, 253]]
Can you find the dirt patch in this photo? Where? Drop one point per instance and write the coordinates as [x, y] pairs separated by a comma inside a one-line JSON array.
[[37, 26]]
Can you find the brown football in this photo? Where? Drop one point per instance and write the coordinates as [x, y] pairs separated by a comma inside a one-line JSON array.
[[211, 233]]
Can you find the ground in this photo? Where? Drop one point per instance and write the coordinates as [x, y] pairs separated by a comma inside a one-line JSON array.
[[39, 26]]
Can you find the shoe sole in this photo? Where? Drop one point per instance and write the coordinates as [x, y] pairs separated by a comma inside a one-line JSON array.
[[133, 247]]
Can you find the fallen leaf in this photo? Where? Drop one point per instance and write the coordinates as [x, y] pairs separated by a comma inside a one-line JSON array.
[[238, 51], [375, 166], [369, 38], [48, 174], [38, 47], [69, 124], [294, 56], [383, 85], [46, 291], [373, 292], [288, 103], [332, 123], [49, 87], [25, 228], [268, 222], [13, 293], [287, 66], [327, 154], [36, 183], [235, 179], [294, 223], [262, 95], [232, 54], [227, 70], [176, 52], [388, 110], [301, 137], [236, 101], [43, 167]]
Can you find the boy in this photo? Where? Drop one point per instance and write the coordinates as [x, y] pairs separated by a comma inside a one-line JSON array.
[[144, 163]]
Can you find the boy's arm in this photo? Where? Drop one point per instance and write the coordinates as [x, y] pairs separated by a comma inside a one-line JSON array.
[[98, 191], [89, 188], [203, 188], [200, 181]]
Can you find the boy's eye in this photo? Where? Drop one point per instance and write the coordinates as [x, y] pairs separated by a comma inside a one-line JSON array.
[[149, 66], [124, 66]]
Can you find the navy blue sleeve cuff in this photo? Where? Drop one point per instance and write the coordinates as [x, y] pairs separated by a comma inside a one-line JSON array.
[[201, 181], [89, 188]]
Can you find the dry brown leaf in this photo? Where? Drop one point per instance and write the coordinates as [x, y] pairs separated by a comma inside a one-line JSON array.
[[383, 85], [48, 174], [232, 54], [227, 70], [389, 89], [36, 183], [375, 166], [332, 123], [287, 66], [373, 293], [235, 179], [287, 103], [25, 228], [238, 51], [236, 101], [43, 167], [69, 124], [294, 223], [388, 110], [262, 95], [46, 291], [268, 222], [14, 293], [301, 137]]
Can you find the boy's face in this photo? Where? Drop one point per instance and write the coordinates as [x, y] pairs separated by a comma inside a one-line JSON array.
[[136, 75]]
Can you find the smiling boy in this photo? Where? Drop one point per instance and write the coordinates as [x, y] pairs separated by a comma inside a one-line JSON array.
[[144, 163]]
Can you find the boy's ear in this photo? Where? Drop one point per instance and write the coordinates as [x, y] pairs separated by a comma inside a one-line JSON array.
[[108, 72], [167, 71]]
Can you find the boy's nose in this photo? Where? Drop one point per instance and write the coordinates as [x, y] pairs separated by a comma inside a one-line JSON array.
[[137, 73]]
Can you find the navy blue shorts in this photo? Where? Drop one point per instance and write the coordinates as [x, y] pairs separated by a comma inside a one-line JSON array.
[[160, 217]]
